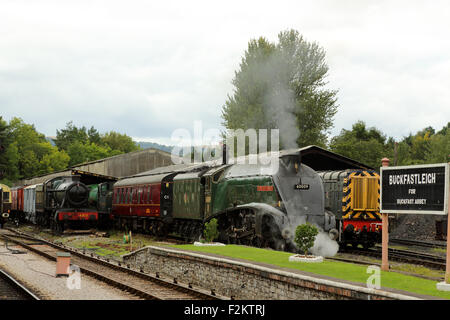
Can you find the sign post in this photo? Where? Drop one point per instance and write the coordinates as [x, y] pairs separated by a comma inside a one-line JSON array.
[[447, 262], [385, 232], [421, 189]]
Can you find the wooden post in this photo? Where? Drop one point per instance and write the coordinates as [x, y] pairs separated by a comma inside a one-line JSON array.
[[385, 231], [131, 242]]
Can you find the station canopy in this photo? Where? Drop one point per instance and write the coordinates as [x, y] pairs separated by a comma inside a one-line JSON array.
[[315, 157], [92, 178], [320, 159]]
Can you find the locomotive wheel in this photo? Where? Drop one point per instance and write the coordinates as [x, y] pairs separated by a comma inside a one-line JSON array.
[[257, 242]]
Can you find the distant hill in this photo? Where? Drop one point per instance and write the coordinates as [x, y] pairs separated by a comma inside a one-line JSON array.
[[145, 145]]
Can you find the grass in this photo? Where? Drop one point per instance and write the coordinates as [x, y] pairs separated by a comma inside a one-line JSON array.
[[111, 247], [440, 250], [336, 269]]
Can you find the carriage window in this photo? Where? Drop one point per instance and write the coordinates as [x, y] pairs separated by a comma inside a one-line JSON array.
[[144, 195], [5, 196], [103, 188], [155, 195], [139, 195]]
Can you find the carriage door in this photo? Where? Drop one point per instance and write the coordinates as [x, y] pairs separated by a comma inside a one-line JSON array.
[[166, 201], [206, 180]]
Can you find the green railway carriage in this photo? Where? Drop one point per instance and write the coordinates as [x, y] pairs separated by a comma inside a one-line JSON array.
[[188, 196]]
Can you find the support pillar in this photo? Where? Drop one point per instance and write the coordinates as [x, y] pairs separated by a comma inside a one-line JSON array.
[[385, 231], [447, 262], [445, 285]]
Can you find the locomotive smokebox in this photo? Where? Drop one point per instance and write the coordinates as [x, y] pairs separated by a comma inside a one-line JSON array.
[[69, 191], [77, 194]]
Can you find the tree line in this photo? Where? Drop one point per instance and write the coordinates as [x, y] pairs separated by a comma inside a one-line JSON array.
[[26, 152]]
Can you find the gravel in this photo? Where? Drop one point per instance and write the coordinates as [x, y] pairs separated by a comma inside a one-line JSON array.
[[38, 274]]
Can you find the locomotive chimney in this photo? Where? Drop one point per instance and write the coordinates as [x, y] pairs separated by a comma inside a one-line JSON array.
[[224, 154]]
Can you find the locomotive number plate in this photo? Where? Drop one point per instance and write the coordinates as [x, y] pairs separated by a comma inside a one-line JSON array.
[[301, 187]]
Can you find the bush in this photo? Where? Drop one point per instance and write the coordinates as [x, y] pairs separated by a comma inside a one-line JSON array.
[[305, 234], [211, 231]]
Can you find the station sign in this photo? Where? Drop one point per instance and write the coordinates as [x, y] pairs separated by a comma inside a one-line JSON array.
[[421, 189]]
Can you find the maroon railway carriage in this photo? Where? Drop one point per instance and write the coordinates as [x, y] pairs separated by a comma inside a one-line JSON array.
[[136, 202], [17, 208]]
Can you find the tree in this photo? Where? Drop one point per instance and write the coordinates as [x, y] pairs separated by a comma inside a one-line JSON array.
[[119, 142], [282, 86], [83, 152], [29, 153], [69, 135], [94, 136], [305, 234], [366, 145], [211, 231]]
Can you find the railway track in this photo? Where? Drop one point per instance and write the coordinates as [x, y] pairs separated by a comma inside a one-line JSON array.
[[121, 276], [414, 257], [11, 289], [419, 243]]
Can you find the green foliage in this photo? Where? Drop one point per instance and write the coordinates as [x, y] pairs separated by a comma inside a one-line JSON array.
[[289, 76], [119, 142], [71, 134], [83, 152], [369, 146], [211, 232], [29, 153], [84, 145], [365, 145], [305, 234], [4, 143]]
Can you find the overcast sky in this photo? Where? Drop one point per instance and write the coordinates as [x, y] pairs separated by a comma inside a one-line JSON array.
[[146, 68]]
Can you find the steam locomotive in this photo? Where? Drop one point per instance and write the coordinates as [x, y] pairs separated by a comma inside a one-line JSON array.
[[253, 206], [58, 203]]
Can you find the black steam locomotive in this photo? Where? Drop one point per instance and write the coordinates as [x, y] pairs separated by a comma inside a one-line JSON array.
[[61, 203]]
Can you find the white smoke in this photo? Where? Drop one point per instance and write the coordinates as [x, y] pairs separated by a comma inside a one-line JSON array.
[[324, 246], [280, 108]]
